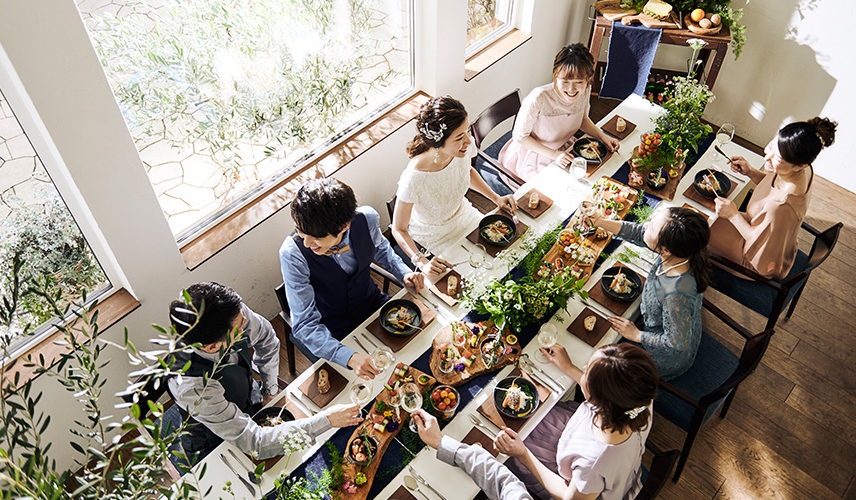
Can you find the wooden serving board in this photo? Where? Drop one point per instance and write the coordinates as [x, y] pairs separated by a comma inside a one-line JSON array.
[[397, 342], [478, 367], [384, 440], [489, 410], [696, 27], [612, 10], [652, 22], [493, 250], [671, 187]]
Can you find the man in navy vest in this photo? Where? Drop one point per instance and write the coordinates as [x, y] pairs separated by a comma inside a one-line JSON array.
[[220, 407], [325, 267]]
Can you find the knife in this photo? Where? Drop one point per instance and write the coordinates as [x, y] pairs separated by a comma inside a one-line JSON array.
[[538, 379], [532, 365], [357, 340], [370, 341], [299, 398], [244, 481]]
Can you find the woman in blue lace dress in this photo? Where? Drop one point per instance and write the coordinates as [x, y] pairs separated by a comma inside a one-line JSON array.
[[672, 296]]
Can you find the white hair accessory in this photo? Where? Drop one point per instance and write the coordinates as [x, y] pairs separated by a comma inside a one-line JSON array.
[[822, 142], [432, 135], [635, 412]]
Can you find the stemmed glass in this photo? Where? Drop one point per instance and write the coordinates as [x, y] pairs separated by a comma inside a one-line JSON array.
[[411, 401], [723, 136], [382, 359], [360, 394], [579, 168], [480, 257], [547, 336]]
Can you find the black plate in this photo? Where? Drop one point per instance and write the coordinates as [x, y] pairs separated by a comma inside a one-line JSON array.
[[531, 405], [724, 183], [607, 278], [649, 179], [490, 219], [602, 150], [384, 311], [272, 411]]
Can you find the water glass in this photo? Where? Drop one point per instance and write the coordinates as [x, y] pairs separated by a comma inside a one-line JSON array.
[[547, 336], [382, 359]]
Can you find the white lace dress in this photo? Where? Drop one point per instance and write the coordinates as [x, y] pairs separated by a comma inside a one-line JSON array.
[[441, 212]]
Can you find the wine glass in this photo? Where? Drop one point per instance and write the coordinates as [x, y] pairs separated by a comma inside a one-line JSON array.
[[481, 251], [579, 168], [547, 336], [382, 359], [411, 401], [723, 137], [360, 394]]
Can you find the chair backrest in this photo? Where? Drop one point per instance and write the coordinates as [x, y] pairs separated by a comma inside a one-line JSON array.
[[823, 244], [658, 473], [496, 113], [283, 303], [390, 207]]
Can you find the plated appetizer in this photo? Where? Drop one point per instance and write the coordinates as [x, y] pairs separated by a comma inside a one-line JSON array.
[[497, 230], [516, 397], [400, 317]]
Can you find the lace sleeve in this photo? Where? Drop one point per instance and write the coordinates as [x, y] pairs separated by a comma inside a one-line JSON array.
[[526, 117], [679, 313]]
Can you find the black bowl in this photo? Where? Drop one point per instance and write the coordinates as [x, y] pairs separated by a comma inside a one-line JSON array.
[[650, 181], [607, 278], [496, 359], [272, 411], [602, 150], [490, 219], [409, 304], [722, 179], [350, 456], [527, 386]]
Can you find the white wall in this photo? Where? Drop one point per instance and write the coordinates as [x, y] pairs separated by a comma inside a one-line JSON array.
[[797, 64], [50, 51]]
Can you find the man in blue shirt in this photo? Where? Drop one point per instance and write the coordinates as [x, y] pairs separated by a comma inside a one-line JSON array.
[[325, 266]]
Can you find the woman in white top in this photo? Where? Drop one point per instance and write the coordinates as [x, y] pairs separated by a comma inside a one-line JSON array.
[[431, 207], [551, 114]]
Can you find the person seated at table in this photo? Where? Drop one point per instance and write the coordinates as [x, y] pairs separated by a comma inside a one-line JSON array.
[[217, 393], [672, 295], [551, 114], [325, 266], [490, 475], [431, 206], [591, 449], [764, 237]]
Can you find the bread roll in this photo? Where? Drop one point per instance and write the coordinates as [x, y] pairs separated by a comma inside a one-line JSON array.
[[589, 323], [534, 200], [452, 285], [620, 125], [323, 381]]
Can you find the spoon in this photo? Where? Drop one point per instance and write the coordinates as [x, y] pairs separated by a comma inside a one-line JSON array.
[[411, 484], [250, 473]]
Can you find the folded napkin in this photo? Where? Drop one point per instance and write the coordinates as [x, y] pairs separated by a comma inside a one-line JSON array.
[[629, 60]]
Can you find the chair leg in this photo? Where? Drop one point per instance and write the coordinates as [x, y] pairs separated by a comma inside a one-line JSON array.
[[727, 403], [289, 351], [795, 299], [685, 453]]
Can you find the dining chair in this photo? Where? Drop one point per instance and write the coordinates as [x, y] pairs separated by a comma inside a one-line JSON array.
[[690, 400], [769, 296], [485, 161], [655, 477], [387, 278]]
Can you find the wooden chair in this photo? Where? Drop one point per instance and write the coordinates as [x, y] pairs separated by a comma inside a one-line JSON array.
[[485, 159], [285, 312], [658, 473], [768, 296], [712, 381]]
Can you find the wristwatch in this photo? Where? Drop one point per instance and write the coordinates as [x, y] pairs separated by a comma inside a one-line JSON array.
[[271, 390]]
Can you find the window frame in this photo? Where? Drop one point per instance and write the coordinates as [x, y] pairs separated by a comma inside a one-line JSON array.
[[510, 24], [37, 134]]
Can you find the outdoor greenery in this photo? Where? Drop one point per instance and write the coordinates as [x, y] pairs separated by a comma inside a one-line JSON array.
[[48, 242], [481, 19]]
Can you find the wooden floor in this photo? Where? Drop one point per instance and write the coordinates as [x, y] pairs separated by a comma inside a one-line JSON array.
[[791, 431]]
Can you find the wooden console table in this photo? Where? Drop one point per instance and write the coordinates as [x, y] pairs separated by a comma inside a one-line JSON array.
[[718, 44]]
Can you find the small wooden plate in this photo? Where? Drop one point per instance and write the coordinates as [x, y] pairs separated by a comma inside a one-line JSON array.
[[609, 128], [397, 342], [443, 285], [600, 328], [309, 387], [687, 205], [479, 438], [544, 203]]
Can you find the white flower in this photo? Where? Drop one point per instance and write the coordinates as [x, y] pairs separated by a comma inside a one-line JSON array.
[[294, 440], [696, 43]]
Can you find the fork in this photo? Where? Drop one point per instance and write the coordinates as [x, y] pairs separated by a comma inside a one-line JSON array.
[[423, 481]]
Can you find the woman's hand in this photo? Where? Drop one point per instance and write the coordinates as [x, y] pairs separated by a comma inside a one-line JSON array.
[[725, 208], [507, 203], [509, 442], [740, 165], [611, 142], [414, 280], [625, 328], [563, 159], [434, 266], [343, 415], [429, 429], [558, 355]]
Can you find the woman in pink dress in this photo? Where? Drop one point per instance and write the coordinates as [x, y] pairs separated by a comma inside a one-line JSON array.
[[551, 114], [593, 451], [764, 238]]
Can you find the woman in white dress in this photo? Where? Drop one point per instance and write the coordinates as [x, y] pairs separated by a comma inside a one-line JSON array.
[[431, 206]]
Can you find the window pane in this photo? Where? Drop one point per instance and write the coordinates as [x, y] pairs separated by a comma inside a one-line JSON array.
[[485, 17], [35, 223], [223, 97]]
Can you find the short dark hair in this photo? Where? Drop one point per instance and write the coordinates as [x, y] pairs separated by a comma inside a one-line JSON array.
[[622, 378], [800, 142], [323, 207], [219, 306], [574, 61], [686, 235]]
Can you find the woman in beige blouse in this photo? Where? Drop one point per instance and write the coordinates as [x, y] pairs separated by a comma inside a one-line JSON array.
[[764, 238]]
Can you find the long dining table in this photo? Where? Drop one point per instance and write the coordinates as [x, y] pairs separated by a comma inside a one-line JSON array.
[[567, 193]]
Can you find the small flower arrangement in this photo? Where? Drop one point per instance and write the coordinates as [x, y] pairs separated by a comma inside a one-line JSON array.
[[293, 441]]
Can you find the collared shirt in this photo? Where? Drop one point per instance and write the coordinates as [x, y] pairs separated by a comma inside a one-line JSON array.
[[208, 404], [490, 475], [305, 318]]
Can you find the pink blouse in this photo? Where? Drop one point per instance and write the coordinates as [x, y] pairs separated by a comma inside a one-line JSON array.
[[775, 217]]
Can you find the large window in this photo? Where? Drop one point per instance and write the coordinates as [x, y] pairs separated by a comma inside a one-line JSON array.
[[36, 225], [224, 98], [487, 20]]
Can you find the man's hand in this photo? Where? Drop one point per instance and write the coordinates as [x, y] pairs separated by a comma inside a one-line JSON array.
[[429, 429], [508, 442], [343, 415], [625, 328], [362, 366], [415, 281]]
